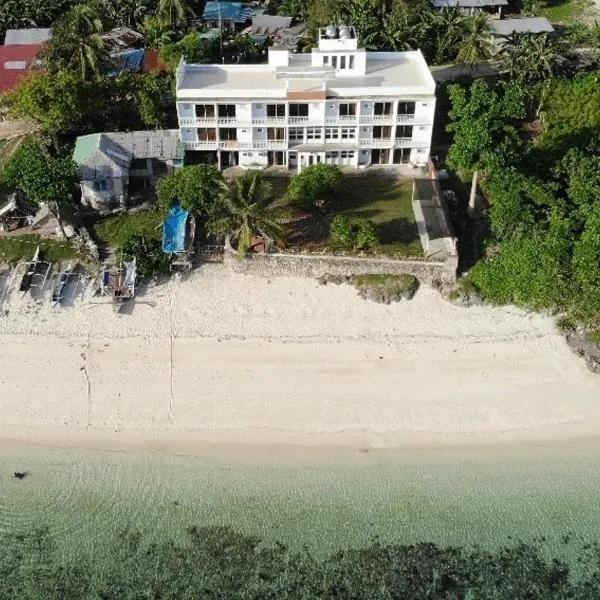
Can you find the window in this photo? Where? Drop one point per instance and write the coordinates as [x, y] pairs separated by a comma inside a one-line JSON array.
[[331, 155], [207, 134], [351, 62], [258, 106], [326, 60], [228, 134], [276, 133], [348, 133], [259, 130], [298, 110], [342, 62], [404, 131], [332, 133], [383, 108], [382, 133], [406, 108], [347, 109], [275, 110], [296, 133], [334, 62], [205, 111], [401, 156], [101, 185], [314, 133], [226, 110], [347, 154]]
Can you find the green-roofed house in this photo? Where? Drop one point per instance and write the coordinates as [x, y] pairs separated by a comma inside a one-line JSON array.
[[107, 162]]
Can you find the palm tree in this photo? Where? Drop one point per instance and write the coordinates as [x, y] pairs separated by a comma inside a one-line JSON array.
[[77, 45], [447, 27], [173, 13], [400, 33], [529, 56], [246, 209], [476, 44]]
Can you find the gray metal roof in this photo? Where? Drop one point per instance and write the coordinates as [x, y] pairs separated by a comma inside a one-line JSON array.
[[468, 3], [112, 153], [506, 27], [267, 24], [26, 37]]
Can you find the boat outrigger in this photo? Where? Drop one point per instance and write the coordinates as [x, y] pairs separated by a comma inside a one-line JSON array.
[[30, 270], [119, 282], [61, 283], [179, 232]]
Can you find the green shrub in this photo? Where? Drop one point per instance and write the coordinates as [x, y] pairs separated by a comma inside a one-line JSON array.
[[151, 260], [117, 230], [315, 185], [360, 234]]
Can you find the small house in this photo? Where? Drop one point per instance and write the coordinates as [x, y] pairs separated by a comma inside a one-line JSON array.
[[110, 163]]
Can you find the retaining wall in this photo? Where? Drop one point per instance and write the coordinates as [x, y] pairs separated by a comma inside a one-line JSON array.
[[302, 265]]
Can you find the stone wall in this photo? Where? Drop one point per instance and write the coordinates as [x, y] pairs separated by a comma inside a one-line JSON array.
[[302, 265]]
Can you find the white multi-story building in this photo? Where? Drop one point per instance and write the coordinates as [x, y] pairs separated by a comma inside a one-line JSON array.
[[339, 104]]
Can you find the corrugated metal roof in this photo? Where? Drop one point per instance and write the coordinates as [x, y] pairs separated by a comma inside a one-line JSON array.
[[226, 11], [103, 155], [14, 63], [26, 37], [506, 27]]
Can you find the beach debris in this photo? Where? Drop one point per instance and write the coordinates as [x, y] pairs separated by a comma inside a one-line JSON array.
[[20, 474], [381, 288]]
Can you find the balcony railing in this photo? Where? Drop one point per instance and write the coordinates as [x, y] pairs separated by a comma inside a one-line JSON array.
[[367, 119], [341, 120], [236, 145], [298, 120], [376, 142], [403, 142]]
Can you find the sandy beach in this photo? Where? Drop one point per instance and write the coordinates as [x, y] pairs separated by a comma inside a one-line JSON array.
[[223, 357]]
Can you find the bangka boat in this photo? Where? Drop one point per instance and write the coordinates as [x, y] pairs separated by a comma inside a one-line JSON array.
[[119, 282], [30, 271], [60, 285]]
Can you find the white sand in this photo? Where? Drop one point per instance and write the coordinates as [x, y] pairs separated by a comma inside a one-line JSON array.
[[226, 357]]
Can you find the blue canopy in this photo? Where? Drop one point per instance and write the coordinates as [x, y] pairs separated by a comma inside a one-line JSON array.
[[174, 230], [226, 11]]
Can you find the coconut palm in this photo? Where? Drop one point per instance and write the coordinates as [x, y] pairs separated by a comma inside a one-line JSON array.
[[447, 25], [173, 13], [476, 44], [400, 32], [77, 45], [246, 209]]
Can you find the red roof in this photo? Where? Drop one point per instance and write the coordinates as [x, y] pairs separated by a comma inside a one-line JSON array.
[[15, 62]]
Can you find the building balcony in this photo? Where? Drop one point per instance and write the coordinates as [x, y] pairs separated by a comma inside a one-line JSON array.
[[404, 143], [376, 119], [204, 145], [271, 121], [341, 120], [376, 142], [236, 145]]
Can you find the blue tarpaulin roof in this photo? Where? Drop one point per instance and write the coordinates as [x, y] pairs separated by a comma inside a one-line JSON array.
[[226, 11], [174, 230], [130, 61]]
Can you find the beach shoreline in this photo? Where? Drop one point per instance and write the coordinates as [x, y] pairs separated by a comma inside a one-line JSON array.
[[228, 360]]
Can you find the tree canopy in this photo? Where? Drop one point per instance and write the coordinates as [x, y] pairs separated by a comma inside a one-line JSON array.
[[315, 184], [42, 177], [196, 188]]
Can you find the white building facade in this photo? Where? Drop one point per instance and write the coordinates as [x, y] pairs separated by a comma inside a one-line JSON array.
[[339, 105]]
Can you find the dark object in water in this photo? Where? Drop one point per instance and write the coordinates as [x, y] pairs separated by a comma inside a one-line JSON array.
[[20, 474]]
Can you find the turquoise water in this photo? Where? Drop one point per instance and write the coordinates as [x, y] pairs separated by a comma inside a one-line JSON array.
[[454, 496]]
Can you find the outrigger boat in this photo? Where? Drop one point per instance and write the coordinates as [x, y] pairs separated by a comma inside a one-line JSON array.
[[32, 266], [119, 283], [61, 284]]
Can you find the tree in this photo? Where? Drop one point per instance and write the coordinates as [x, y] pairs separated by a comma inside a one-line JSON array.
[[315, 184], [41, 177], [586, 265], [476, 42], [191, 47], [246, 209], [76, 45], [126, 13], [150, 258], [360, 234], [157, 33], [196, 188], [173, 13], [529, 56]]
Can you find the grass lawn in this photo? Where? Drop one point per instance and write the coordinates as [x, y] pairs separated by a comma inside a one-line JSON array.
[[115, 231], [379, 197], [563, 11], [16, 248]]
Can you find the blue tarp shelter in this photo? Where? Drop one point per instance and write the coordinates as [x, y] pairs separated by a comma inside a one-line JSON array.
[[131, 61], [174, 230]]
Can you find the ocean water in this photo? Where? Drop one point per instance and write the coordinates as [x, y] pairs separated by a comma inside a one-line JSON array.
[[486, 496]]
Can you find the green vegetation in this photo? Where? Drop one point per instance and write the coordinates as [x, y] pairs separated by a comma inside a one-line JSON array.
[[196, 188], [387, 202], [315, 185], [360, 235], [246, 209], [41, 177], [562, 11], [215, 563], [16, 248], [544, 249], [117, 230], [593, 336], [385, 288], [150, 258]]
